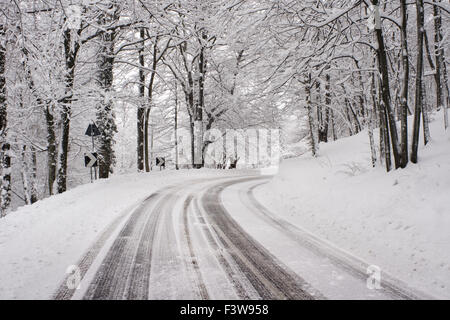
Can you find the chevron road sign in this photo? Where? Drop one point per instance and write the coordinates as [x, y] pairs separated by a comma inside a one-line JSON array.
[[161, 162], [90, 159]]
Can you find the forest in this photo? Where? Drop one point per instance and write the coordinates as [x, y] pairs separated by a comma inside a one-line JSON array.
[[142, 69]]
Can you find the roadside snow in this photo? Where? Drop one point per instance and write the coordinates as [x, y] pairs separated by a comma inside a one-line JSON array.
[[398, 221], [39, 242]]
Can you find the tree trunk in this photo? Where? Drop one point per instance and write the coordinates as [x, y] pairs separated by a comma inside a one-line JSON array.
[[52, 156], [333, 125], [198, 121], [419, 75], [323, 133], [148, 160], [312, 137], [141, 108], [105, 113], [439, 56], [64, 147], [5, 194], [70, 55], [192, 132], [147, 156], [370, 120], [385, 89], [349, 119], [34, 181], [425, 117], [24, 172], [385, 147], [176, 127], [404, 89]]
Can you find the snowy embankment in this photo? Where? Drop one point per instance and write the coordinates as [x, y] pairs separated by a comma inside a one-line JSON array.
[[398, 221], [39, 242]]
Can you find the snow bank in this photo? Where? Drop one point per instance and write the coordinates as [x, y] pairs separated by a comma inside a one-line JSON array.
[[399, 221], [39, 242]]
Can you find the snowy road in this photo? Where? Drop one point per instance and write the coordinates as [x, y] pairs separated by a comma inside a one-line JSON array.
[[211, 239]]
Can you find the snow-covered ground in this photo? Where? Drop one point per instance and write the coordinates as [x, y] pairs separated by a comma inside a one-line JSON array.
[[39, 242], [398, 221]]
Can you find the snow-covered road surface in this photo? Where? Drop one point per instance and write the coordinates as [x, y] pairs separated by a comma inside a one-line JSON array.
[[210, 239]]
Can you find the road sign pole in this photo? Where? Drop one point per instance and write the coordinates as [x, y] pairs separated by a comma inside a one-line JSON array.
[[92, 131], [93, 150]]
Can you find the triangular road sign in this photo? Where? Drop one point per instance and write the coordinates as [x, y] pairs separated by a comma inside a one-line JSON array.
[[92, 130]]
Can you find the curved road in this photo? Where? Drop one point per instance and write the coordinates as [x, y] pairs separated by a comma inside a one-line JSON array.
[[187, 242]]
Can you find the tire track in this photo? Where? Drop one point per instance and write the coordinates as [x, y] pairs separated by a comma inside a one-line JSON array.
[[66, 293], [192, 259], [344, 261], [268, 276], [111, 280], [138, 286], [232, 271], [167, 267], [144, 250]]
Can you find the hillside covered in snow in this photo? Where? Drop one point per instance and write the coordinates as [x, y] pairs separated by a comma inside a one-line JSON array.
[[398, 221]]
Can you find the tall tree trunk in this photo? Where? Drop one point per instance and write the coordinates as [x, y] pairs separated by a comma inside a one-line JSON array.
[[312, 136], [323, 131], [64, 147], [349, 119], [5, 194], [385, 147], [34, 181], [385, 89], [149, 159], [447, 105], [52, 156], [419, 85], [333, 125], [370, 120], [176, 126], [24, 173], [71, 47], [105, 113], [425, 117], [141, 108], [425, 107], [192, 133], [198, 121], [439, 56], [147, 156], [404, 89]]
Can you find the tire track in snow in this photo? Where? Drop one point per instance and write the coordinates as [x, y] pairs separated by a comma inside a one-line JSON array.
[[168, 272], [112, 279], [350, 264], [269, 277], [203, 292], [240, 283], [66, 293], [146, 242]]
